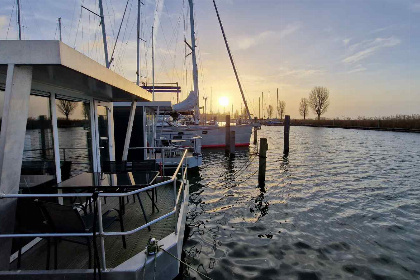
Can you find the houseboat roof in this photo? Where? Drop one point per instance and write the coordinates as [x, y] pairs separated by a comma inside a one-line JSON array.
[[57, 65]]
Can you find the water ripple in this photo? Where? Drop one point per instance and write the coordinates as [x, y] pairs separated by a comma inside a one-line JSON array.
[[343, 205]]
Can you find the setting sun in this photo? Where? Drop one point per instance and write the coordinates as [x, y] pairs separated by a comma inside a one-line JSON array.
[[223, 101]]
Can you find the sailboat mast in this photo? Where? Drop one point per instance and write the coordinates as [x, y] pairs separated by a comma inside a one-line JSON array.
[[153, 64], [231, 60], [18, 18], [138, 41], [194, 62], [59, 27], [101, 12]]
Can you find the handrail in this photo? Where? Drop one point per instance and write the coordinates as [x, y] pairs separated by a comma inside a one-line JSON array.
[[101, 234]]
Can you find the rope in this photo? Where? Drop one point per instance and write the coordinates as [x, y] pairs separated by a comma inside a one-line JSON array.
[[119, 30], [202, 274]]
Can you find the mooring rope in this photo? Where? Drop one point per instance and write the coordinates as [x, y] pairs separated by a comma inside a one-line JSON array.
[[152, 248], [202, 274]]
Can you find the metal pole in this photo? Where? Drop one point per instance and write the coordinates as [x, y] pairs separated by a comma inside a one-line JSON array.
[[194, 62], [59, 27], [138, 41], [101, 12], [19, 23], [101, 233], [277, 104], [153, 65], [259, 107], [231, 60], [262, 104], [129, 130]]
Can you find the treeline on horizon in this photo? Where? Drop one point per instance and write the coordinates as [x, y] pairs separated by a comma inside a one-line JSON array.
[[410, 122]]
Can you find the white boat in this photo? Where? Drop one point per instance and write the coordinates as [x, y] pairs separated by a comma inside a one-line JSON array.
[[213, 136]]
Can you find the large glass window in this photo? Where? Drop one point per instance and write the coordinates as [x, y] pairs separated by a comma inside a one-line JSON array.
[[38, 165], [74, 136]]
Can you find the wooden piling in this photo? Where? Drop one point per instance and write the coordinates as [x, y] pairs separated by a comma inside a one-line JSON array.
[[232, 143], [286, 134], [263, 161], [255, 131], [227, 142]]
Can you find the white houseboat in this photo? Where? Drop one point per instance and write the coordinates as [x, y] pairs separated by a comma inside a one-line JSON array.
[[74, 202]]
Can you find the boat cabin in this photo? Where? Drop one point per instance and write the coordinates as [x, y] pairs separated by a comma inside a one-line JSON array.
[[73, 201]]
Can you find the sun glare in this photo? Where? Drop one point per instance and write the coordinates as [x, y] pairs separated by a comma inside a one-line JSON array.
[[223, 101]]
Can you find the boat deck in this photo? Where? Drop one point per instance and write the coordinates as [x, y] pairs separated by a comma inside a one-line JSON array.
[[75, 256]]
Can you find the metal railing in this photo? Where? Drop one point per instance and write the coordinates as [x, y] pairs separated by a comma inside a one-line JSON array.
[[101, 233]]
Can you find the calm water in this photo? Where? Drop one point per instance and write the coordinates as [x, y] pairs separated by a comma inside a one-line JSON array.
[[344, 205]]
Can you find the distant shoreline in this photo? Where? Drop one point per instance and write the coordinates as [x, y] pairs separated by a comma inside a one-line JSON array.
[[360, 127]]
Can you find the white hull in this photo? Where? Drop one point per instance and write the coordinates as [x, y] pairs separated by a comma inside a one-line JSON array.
[[212, 136]]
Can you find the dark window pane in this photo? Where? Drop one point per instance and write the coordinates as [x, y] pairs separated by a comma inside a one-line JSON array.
[[74, 136]]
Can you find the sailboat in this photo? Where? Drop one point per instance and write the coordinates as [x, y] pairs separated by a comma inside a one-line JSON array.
[[213, 136]]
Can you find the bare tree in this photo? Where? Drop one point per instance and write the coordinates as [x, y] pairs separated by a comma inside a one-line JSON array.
[[318, 100], [304, 108], [269, 111], [86, 110], [66, 107], [281, 108]]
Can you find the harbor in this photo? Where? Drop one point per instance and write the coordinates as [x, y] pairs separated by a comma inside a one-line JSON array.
[[209, 140]]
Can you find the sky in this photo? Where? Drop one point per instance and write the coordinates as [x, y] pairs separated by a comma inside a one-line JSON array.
[[367, 53]]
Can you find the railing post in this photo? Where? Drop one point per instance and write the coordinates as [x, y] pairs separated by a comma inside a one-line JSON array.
[[163, 160], [175, 191], [101, 233]]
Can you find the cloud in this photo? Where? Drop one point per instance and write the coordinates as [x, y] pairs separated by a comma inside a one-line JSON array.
[[290, 29], [367, 48], [244, 43], [359, 68], [346, 41], [285, 71]]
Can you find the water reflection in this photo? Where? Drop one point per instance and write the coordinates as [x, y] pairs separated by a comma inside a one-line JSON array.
[[328, 210]]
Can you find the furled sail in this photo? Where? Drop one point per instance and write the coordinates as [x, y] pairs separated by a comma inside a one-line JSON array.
[[188, 104]]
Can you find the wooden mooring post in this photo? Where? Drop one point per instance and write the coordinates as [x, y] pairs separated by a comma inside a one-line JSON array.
[[227, 142], [286, 135], [232, 144], [255, 131], [263, 161]]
